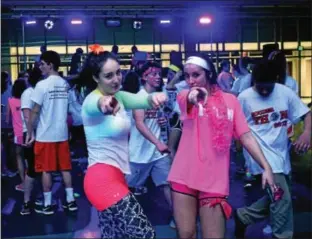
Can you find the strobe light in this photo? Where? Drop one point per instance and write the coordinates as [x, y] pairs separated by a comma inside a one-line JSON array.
[[48, 24], [137, 24]]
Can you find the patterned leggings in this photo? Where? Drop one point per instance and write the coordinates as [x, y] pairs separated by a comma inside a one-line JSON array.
[[125, 219]]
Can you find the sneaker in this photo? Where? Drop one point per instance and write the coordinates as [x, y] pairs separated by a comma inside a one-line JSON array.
[[48, 210], [267, 230], [70, 206], [39, 202], [240, 227], [11, 174], [19, 187], [26, 209]]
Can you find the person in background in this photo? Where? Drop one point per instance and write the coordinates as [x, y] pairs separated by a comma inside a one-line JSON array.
[[172, 70], [225, 79], [6, 93], [26, 106], [280, 64], [279, 59], [131, 83], [236, 73], [243, 82], [76, 96], [14, 109], [75, 62], [51, 148], [115, 50], [43, 49], [268, 107], [148, 147]]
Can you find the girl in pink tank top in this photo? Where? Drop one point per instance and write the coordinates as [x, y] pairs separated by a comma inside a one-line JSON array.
[[199, 175], [14, 110]]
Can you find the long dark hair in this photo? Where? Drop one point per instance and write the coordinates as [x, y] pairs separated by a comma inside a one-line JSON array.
[[91, 68], [18, 88]]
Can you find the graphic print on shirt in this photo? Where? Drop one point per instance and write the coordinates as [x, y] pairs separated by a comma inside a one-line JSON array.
[[157, 114], [59, 92], [230, 113], [268, 115], [150, 114]]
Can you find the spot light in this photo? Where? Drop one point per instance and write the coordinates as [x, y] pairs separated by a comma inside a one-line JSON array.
[[76, 22], [165, 21], [30, 22], [205, 20]]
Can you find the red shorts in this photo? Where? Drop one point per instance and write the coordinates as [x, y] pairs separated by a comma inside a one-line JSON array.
[[104, 185], [52, 156], [210, 199]]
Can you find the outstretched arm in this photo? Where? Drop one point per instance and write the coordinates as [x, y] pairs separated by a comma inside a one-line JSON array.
[[138, 101]]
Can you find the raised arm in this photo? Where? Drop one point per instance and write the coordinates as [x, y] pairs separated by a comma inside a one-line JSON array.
[[137, 101]]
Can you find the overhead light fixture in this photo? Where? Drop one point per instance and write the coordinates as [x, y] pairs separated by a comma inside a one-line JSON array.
[[137, 24], [205, 20], [76, 22], [113, 22], [30, 22], [165, 21], [48, 24]]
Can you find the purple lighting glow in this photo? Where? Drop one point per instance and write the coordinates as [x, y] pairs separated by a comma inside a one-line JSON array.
[[76, 22], [205, 20]]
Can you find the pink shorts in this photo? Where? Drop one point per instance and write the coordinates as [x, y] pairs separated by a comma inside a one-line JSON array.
[[210, 199], [181, 188], [104, 185]]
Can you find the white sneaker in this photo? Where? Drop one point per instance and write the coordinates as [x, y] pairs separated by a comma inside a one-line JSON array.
[[267, 230]]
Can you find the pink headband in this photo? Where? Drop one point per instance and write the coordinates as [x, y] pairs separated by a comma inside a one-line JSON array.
[[150, 70]]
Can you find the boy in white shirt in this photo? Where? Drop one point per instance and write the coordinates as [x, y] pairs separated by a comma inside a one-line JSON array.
[[268, 106], [148, 150], [51, 143]]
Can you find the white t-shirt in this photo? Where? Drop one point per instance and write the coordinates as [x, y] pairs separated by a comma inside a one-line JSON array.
[[292, 84], [26, 103], [182, 85], [52, 95], [267, 118], [242, 84], [75, 104], [141, 150]]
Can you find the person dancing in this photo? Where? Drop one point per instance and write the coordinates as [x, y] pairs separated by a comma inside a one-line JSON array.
[[199, 174], [107, 128]]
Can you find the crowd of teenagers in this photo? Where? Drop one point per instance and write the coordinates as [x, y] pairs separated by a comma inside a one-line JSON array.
[[181, 133]]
